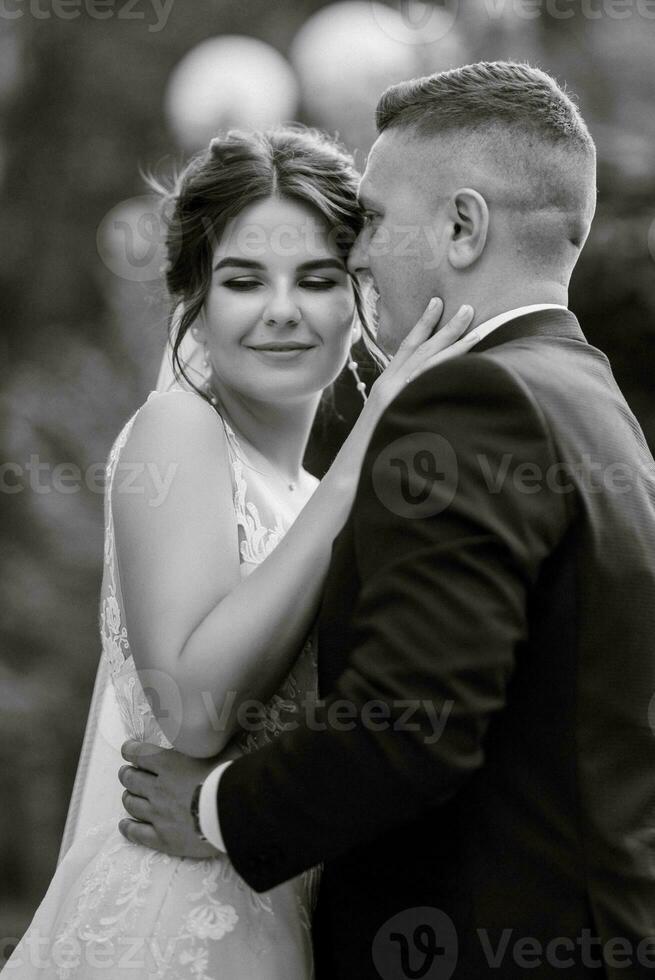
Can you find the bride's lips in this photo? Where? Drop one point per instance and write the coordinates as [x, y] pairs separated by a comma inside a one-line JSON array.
[[281, 351]]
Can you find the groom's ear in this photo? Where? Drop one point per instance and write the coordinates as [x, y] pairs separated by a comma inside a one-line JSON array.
[[469, 218]]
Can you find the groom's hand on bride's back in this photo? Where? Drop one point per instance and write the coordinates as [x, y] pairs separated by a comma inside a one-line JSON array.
[[159, 786]]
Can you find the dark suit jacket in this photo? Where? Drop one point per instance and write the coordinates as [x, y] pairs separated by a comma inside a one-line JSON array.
[[496, 576]]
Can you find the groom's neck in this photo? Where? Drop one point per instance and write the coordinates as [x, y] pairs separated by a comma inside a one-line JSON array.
[[490, 302]]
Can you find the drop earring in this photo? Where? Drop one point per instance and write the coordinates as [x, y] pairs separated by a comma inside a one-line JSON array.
[[361, 387], [207, 367]]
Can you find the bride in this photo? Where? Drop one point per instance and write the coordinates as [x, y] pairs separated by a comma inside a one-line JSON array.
[[217, 542]]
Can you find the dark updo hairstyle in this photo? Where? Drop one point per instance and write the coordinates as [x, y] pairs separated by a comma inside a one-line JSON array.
[[234, 171]]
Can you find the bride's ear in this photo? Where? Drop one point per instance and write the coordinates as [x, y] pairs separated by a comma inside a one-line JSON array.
[[356, 335], [197, 329]]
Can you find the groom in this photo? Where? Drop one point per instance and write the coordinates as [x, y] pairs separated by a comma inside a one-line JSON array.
[[496, 573]]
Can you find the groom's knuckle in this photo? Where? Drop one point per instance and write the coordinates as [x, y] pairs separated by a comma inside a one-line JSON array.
[[134, 832], [126, 829], [128, 803], [138, 836]]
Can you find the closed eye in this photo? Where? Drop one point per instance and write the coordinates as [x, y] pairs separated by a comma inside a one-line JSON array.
[[242, 284], [316, 283]]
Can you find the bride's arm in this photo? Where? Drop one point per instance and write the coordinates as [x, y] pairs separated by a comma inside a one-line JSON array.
[[224, 640]]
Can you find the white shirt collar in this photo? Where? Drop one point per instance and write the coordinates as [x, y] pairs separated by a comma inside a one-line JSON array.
[[484, 329]]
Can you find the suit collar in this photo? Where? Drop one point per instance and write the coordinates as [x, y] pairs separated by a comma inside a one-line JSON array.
[[543, 323]]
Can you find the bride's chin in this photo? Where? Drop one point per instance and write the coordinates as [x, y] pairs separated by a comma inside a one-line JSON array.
[[287, 395], [289, 390]]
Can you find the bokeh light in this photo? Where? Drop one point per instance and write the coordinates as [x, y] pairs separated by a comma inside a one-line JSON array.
[[229, 81], [349, 52]]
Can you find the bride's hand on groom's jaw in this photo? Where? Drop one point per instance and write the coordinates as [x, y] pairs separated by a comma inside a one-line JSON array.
[[423, 348], [159, 785]]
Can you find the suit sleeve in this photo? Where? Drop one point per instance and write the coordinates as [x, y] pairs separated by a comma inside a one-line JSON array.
[[454, 515]]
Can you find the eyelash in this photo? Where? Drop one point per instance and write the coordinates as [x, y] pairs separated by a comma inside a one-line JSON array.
[[246, 285]]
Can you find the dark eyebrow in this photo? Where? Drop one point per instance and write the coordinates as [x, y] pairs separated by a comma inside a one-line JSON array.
[[240, 263], [326, 263]]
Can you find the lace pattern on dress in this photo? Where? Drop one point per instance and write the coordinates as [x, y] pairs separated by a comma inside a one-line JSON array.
[[135, 710], [113, 633], [256, 541], [106, 908]]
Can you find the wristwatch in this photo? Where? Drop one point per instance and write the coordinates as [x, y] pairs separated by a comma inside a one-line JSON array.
[[195, 812]]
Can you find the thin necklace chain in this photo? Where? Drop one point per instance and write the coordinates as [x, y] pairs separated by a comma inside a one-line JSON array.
[[222, 412]]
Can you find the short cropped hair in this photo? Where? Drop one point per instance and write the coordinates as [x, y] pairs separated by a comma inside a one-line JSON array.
[[481, 95]]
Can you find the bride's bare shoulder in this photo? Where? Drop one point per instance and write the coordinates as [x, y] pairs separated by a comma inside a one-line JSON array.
[[176, 429], [176, 437], [173, 417], [176, 403]]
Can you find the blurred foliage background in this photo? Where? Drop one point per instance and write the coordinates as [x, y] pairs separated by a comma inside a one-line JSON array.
[[89, 96]]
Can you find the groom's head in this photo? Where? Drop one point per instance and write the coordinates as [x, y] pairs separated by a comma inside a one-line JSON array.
[[481, 185]]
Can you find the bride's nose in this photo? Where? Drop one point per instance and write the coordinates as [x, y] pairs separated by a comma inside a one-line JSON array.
[[282, 310]]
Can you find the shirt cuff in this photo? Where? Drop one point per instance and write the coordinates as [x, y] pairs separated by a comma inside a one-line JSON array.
[[208, 807]]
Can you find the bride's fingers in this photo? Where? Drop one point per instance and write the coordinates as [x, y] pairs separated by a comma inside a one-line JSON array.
[[460, 346], [450, 332], [423, 326]]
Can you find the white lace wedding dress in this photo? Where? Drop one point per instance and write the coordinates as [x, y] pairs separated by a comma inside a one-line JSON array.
[[118, 910]]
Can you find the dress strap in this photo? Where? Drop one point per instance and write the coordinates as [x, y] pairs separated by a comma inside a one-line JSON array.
[[232, 441], [257, 537]]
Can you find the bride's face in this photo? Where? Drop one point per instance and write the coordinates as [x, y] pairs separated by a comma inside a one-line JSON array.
[[278, 318]]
